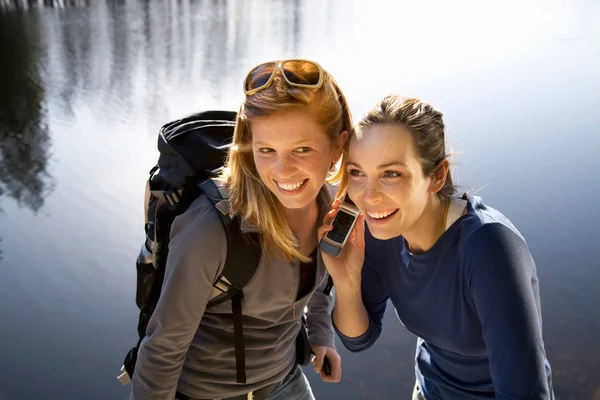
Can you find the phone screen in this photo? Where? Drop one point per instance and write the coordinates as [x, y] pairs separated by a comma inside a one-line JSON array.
[[341, 225]]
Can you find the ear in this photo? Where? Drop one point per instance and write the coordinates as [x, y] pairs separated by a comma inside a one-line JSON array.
[[439, 176], [338, 145]]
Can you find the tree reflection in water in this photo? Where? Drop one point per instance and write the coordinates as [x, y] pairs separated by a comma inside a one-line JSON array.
[[24, 138]]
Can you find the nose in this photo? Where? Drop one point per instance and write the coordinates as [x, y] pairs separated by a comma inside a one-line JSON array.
[[372, 193], [285, 166]]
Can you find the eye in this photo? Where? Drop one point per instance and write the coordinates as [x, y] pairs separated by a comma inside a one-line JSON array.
[[355, 172], [391, 174], [265, 150], [303, 149]]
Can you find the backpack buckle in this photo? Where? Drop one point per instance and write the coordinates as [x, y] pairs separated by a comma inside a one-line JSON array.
[[223, 284], [171, 196], [124, 377]]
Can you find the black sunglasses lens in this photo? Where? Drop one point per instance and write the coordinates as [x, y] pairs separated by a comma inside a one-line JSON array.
[[259, 76], [302, 72]]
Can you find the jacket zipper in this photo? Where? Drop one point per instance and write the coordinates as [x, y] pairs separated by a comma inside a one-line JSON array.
[[299, 266]]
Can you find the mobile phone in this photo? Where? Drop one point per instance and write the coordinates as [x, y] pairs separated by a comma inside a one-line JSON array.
[[326, 366], [343, 223]]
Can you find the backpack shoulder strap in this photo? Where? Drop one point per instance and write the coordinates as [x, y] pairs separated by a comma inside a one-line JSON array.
[[243, 249], [243, 256]]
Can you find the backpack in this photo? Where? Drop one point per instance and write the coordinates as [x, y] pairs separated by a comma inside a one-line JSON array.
[[192, 149]]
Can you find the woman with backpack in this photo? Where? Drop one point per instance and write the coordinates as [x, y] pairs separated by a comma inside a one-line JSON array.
[[459, 274], [289, 134]]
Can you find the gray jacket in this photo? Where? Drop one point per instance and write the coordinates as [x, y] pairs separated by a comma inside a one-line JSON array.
[[191, 349]]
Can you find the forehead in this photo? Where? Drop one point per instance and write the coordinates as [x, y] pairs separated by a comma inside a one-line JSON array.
[[381, 144], [291, 125]]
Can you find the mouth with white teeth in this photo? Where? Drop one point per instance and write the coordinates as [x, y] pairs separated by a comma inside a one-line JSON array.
[[291, 187], [381, 215]]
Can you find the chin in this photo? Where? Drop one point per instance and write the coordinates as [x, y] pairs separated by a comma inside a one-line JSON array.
[[381, 233], [294, 203]]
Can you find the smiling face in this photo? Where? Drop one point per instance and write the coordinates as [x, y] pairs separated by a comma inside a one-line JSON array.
[[293, 155], [386, 180]]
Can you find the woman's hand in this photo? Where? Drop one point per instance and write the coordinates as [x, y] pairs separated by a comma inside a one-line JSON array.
[[345, 269], [334, 360]]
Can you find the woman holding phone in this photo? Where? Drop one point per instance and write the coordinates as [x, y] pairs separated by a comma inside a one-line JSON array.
[[458, 272]]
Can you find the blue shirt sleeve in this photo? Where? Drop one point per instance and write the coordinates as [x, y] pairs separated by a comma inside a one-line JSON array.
[[503, 284], [375, 298]]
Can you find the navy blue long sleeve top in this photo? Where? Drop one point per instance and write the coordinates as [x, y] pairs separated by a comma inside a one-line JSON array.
[[473, 302]]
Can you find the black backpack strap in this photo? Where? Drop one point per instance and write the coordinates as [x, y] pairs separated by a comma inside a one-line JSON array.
[[238, 338], [243, 256], [243, 249]]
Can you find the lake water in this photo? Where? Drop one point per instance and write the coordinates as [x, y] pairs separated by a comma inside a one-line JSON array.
[[85, 86]]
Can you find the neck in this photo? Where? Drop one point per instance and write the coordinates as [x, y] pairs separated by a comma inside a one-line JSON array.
[[303, 224], [299, 219], [430, 226]]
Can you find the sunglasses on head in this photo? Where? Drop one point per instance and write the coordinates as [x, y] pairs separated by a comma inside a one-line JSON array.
[[296, 72]]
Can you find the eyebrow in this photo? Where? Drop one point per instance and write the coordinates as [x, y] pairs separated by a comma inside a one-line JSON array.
[[300, 142], [382, 166]]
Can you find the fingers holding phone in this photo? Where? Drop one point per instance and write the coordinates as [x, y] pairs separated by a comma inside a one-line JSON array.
[[327, 363], [342, 226], [326, 227], [342, 241]]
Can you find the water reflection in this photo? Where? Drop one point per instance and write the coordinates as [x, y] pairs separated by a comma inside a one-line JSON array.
[[24, 139], [25, 4], [152, 58]]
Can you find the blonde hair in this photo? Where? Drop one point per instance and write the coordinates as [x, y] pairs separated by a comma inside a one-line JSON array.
[[250, 198], [422, 120]]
